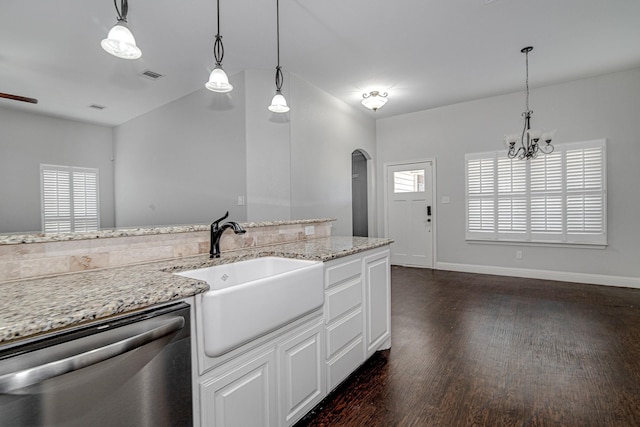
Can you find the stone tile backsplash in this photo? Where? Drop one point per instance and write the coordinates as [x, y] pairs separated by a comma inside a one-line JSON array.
[[47, 258]]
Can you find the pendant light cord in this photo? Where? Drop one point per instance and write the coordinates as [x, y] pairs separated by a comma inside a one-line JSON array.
[[278, 29], [218, 15], [122, 10], [279, 77], [526, 55], [218, 48]]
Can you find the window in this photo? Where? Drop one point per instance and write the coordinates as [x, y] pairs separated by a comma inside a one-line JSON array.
[[408, 181], [69, 199], [555, 198]]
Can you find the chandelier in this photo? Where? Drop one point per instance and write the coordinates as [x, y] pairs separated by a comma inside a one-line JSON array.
[[530, 142]]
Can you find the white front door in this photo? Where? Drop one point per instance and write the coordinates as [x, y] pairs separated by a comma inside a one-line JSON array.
[[409, 213]]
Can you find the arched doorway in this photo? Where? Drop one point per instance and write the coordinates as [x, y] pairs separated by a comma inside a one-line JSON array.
[[359, 190]]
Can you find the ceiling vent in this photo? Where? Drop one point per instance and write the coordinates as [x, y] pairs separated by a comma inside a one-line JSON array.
[[97, 107], [151, 75]]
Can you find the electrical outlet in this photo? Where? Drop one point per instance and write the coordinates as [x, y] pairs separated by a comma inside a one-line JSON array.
[[445, 199], [240, 200], [518, 254], [309, 230]]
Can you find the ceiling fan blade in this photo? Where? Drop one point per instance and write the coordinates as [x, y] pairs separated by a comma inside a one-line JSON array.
[[18, 98]]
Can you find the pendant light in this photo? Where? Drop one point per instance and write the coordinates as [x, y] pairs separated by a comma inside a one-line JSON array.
[[278, 103], [120, 41], [218, 80]]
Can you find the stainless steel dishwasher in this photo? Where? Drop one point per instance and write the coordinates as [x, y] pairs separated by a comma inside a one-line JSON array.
[[132, 370]]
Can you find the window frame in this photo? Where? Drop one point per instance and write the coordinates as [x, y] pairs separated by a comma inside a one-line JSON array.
[[544, 189]]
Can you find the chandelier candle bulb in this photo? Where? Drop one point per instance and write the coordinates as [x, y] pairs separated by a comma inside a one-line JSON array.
[[535, 134], [548, 136]]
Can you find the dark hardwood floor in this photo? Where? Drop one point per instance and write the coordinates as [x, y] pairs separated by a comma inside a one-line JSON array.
[[480, 350]]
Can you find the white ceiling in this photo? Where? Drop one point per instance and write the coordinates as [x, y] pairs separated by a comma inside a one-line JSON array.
[[424, 53]]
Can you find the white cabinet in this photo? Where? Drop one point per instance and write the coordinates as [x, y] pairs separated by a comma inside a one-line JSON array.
[[377, 301], [271, 382], [276, 379], [301, 372], [357, 311], [242, 396], [343, 318]]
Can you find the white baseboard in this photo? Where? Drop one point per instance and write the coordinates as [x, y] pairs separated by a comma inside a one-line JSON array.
[[563, 276]]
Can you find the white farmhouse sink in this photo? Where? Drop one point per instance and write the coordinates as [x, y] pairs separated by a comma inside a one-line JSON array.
[[254, 297]]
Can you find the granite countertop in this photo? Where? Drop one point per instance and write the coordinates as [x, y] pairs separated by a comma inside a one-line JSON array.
[[14, 239], [34, 306]]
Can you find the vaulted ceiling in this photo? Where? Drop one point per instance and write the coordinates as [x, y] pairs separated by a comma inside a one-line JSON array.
[[424, 53]]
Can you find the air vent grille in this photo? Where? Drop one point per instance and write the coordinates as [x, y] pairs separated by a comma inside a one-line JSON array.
[[151, 75]]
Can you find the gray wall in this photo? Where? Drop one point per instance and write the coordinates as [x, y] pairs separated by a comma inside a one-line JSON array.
[[324, 133], [268, 150], [187, 159], [600, 107], [28, 140], [183, 163]]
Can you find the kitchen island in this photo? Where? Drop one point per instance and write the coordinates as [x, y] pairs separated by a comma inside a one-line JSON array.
[[33, 306], [297, 364]]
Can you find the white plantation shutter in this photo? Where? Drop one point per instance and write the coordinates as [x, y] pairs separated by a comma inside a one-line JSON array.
[[586, 198], [555, 198], [512, 198], [70, 199], [546, 206], [85, 201], [481, 216], [56, 200]]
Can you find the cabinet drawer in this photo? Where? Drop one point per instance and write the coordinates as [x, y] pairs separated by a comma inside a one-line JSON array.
[[344, 331], [344, 364], [341, 272], [341, 299]]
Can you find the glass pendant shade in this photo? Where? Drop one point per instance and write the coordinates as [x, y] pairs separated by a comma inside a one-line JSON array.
[[218, 81], [278, 104], [121, 43]]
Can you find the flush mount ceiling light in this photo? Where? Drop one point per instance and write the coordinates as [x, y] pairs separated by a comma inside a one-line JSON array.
[[374, 99], [218, 80], [278, 103], [527, 141], [120, 41]]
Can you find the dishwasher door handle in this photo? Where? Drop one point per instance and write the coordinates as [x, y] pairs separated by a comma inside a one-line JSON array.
[[26, 377]]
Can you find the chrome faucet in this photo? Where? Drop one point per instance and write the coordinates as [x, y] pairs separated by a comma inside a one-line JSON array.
[[216, 233]]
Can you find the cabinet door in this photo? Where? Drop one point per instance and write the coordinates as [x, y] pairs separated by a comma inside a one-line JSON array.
[[242, 397], [301, 366], [377, 302]]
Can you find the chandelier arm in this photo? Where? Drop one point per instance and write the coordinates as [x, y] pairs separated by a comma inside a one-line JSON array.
[[547, 149], [525, 135]]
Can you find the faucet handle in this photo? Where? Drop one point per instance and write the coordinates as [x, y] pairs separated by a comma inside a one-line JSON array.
[[217, 221]]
